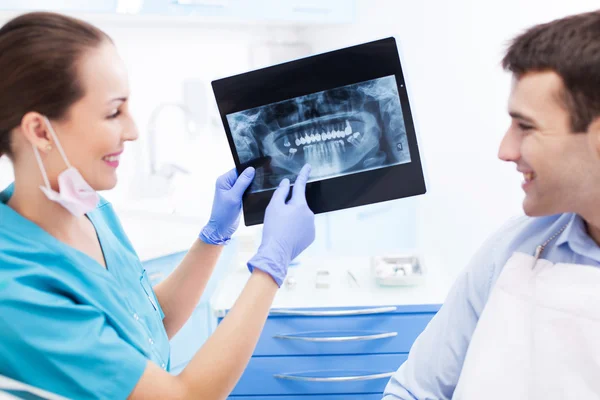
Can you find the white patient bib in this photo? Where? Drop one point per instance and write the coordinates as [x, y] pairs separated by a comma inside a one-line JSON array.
[[538, 337]]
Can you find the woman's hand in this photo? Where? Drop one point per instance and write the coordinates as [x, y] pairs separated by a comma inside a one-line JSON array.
[[289, 229], [227, 204]]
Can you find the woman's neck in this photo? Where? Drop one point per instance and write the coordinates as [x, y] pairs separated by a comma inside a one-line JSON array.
[[30, 202]]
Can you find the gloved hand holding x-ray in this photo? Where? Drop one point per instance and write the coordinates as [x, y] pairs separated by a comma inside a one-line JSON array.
[[345, 112], [345, 130]]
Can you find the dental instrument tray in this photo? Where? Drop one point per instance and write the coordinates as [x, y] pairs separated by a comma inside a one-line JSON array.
[[345, 112], [397, 270]]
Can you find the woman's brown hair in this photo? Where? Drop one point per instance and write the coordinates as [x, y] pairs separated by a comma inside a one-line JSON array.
[[39, 53]]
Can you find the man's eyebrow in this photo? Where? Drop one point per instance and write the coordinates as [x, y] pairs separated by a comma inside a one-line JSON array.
[[518, 115]]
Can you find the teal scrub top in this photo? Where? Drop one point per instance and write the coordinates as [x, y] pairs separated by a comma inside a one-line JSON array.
[[67, 324]]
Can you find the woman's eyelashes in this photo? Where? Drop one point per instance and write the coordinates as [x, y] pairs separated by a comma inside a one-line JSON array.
[[115, 114]]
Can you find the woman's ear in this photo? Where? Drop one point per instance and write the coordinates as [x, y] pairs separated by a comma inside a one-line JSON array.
[[34, 129], [594, 135]]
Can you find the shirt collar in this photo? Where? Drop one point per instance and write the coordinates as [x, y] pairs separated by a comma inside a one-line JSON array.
[[6, 193], [577, 238]]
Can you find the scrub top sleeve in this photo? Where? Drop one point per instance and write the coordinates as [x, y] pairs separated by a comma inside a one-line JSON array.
[[66, 348], [436, 358]]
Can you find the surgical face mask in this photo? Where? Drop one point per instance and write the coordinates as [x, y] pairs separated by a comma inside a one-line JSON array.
[[74, 194]]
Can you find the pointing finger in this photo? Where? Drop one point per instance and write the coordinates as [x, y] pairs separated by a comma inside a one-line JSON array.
[[299, 194]]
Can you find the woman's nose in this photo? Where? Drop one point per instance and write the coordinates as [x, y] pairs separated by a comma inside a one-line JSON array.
[[131, 132]]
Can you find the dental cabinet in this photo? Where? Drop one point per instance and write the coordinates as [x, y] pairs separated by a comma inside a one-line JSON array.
[[332, 329], [218, 11], [200, 324], [343, 336], [161, 241]]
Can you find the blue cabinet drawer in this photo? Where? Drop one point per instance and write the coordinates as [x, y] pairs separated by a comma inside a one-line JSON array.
[[375, 396], [352, 374], [159, 268], [190, 338], [360, 334]]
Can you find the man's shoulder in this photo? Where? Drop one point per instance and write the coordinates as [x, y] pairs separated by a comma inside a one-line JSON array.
[[519, 234], [524, 234]]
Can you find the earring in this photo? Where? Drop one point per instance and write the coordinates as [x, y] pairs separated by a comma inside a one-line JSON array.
[[48, 147]]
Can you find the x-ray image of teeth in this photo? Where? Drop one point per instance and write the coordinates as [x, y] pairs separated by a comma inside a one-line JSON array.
[[340, 131]]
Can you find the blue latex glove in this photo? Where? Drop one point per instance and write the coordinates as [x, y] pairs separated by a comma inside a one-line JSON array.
[[289, 229], [227, 204]]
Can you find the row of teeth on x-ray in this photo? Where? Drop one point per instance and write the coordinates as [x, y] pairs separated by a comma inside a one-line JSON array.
[[324, 135], [333, 137]]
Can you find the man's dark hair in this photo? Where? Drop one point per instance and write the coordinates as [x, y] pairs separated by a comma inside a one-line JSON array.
[[570, 47]]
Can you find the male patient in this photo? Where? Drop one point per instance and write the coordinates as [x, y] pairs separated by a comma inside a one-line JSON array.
[[523, 320]]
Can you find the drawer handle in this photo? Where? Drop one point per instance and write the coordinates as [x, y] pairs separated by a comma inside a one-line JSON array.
[[336, 313], [370, 377], [356, 338]]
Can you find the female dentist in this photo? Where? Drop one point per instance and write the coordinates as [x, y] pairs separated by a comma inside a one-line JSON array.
[[78, 316]]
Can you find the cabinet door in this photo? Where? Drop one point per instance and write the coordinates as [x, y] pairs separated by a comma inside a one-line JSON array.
[[303, 11], [300, 11], [351, 374], [199, 326], [219, 9], [376, 396], [88, 6], [159, 268], [367, 334], [319, 11], [190, 338]]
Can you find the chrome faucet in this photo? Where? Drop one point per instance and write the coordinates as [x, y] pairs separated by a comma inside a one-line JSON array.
[[170, 169]]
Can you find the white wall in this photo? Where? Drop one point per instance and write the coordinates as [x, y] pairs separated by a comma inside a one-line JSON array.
[[159, 58], [451, 58], [451, 54]]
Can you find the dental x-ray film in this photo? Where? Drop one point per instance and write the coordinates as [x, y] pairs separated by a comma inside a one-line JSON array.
[[346, 113]]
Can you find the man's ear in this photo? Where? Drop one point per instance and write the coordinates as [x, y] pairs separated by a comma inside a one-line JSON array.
[[34, 128], [594, 135]]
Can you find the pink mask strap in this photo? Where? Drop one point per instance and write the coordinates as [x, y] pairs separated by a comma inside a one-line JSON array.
[[41, 165]]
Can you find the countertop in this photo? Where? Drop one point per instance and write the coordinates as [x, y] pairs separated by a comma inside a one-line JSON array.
[[342, 290]]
